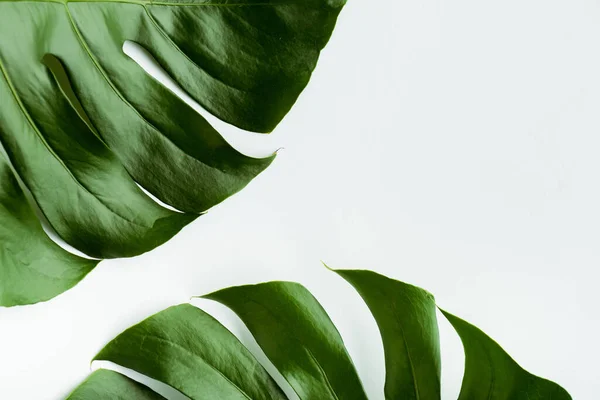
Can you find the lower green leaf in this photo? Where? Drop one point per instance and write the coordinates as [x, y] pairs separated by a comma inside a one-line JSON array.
[[192, 352]]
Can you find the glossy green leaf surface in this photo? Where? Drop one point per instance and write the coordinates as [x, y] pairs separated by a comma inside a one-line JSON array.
[[109, 385], [32, 267], [297, 335], [190, 351], [82, 123], [490, 373], [406, 316]]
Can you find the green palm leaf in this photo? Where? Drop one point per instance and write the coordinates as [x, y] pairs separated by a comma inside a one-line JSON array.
[[81, 123], [183, 347]]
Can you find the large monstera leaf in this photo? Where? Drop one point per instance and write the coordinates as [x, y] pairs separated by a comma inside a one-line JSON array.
[[190, 351], [81, 123]]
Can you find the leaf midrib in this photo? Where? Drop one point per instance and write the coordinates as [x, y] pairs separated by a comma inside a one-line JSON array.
[[407, 348], [305, 347], [33, 125], [195, 356]]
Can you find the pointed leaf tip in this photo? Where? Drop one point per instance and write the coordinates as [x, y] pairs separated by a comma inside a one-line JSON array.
[[490, 373]]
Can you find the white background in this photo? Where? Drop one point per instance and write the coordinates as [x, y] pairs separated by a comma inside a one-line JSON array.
[[452, 145]]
